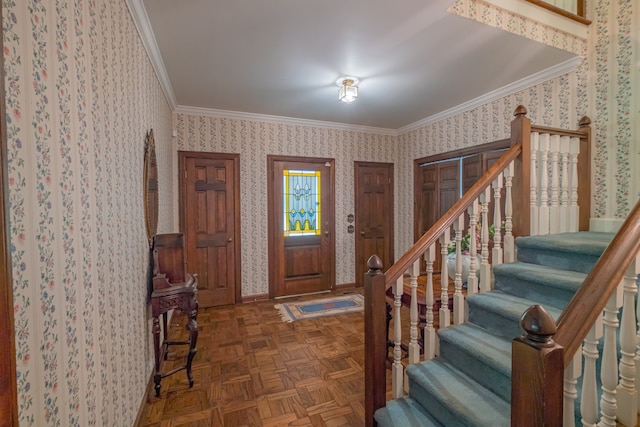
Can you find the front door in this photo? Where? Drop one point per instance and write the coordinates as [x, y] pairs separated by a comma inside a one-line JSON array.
[[209, 218], [373, 215], [301, 225]]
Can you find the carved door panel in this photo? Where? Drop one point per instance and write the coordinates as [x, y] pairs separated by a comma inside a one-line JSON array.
[[373, 215]]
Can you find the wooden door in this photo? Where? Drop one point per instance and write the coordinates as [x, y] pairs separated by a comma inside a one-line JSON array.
[[373, 215], [301, 225], [209, 219], [440, 189]]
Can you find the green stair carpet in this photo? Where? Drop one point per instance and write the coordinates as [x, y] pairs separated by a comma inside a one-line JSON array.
[[469, 383]]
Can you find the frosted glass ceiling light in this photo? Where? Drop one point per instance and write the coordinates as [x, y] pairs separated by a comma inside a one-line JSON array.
[[348, 91]]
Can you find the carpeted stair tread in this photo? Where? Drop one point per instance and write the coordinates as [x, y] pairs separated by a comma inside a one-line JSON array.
[[546, 285], [404, 412], [571, 251], [483, 356], [500, 312], [454, 398]]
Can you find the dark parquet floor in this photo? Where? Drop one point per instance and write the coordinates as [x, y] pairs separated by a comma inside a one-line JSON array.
[[252, 369]]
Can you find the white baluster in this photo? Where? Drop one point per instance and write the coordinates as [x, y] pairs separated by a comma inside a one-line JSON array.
[[472, 280], [574, 208], [458, 298], [430, 343], [589, 398], [414, 346], [509, 245], [571, 375], [554, 203], [397, 368], [485, 268], [565, 148], [496, 254], [543, 190], [627, 392], [444, 313], [533, 187], [609, 369]]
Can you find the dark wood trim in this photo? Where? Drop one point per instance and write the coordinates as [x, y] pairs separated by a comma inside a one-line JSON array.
[[182, 159], [255, 298], [463, 152], [584, 175], [146, 399], [579, 17], [8, 385], [273, 219]]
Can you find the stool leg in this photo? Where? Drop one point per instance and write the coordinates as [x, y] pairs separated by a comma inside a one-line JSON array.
[[156, 347], [192, 325], [165, 334]]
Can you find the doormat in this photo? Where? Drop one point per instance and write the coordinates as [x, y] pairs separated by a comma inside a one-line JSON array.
[[301, 310]]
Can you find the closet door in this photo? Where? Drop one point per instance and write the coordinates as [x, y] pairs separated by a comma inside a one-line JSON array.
[[440, 190]]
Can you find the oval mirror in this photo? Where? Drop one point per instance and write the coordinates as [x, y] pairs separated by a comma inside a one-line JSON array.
[[150, 187]]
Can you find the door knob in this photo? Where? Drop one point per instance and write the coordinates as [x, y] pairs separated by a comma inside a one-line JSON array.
[[326, 233], [362, 233], [230, 239]]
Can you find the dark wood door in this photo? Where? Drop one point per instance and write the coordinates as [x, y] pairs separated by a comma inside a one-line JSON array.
[[301, 225], [440, 189], [210, 221], [373, 215]]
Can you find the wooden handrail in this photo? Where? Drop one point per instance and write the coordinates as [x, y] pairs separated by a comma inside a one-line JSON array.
[[582, 311], [429, 238]]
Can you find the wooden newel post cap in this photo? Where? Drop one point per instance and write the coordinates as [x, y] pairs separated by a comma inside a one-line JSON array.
[[584, 121], [375, 265], [521, 110], [538, 326]]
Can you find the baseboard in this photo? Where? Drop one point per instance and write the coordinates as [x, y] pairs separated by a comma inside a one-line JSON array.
[[345, 285], [255, 298], [607, 225]]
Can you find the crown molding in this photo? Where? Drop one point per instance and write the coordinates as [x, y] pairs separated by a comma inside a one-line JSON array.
[[517, 86], [141, 21], [198, 111]]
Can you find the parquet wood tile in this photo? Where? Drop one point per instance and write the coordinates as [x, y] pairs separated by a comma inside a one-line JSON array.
[[252, 369]]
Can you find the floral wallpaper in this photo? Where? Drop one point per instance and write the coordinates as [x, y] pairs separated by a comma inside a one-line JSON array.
[[81, 95], [254, 140]]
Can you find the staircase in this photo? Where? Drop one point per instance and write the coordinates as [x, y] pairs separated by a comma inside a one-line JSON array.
[[469, 382]]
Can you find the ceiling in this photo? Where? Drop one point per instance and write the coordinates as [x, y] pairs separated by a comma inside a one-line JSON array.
[[283, 57]]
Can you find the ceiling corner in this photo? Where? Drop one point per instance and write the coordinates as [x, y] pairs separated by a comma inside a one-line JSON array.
[[141, 21]]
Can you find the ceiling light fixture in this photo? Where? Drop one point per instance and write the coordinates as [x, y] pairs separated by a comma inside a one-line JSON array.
[[348, 91]]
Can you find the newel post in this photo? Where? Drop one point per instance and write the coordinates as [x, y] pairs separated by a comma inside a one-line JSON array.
[[584, 174], [375, 342], [537, 368], [521, 188]]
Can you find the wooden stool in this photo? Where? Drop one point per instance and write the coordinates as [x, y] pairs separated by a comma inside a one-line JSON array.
[[173, 288]]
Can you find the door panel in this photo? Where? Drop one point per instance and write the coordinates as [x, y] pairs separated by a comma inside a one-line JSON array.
[[301, 225], [209, 219], [373, 215]]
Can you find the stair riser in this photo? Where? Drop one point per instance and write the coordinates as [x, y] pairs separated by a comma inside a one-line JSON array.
[[535, 291], [435, 407], [496, 323], [563, 260], [478, 369]]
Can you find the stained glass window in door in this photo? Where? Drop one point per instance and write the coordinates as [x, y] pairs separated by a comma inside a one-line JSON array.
[[301, 202]]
